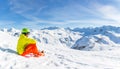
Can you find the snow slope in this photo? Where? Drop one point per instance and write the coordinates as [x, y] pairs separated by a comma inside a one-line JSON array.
[[58, 54]]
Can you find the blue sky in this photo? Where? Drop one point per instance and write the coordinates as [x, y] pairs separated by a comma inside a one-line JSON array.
[[61, 13]]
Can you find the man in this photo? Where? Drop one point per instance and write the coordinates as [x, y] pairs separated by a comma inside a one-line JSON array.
[[27, 46]]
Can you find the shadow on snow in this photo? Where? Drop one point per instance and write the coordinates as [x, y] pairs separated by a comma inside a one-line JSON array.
[[8, 50]]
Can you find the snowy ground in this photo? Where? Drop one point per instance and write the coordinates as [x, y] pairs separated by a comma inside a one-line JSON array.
[[56, 57]]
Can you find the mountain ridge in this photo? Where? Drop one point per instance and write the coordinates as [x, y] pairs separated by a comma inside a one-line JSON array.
[[70, 37]]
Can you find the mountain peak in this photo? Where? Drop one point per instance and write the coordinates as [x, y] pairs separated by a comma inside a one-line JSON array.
[[50, 28]]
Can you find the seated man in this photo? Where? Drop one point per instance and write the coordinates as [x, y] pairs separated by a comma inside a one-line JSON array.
[[27, 45]]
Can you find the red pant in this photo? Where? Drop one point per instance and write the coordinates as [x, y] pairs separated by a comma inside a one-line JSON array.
[[31, 48]]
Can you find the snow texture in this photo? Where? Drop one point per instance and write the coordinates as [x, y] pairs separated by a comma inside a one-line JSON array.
[[64, 49]]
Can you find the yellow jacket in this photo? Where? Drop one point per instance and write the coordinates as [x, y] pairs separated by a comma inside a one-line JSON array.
[[23, 41]]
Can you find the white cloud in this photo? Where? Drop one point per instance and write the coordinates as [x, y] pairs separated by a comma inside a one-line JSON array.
[[73, 10], [29, 7], [36, 20], [110, 12], [71, 13]]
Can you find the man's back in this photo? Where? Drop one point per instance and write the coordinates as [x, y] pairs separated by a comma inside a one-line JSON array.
[[23, 42]]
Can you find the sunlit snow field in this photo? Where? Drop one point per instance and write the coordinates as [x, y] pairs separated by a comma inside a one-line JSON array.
[[58, 52]]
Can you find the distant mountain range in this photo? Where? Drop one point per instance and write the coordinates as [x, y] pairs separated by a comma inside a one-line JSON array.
[[99, 38]]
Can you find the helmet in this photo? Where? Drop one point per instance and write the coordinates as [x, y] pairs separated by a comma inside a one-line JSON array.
[[25, 30]]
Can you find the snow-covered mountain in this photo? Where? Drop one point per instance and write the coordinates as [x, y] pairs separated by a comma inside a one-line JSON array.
[[97, 48], [99, 38], [51, 36], [94, 43]]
